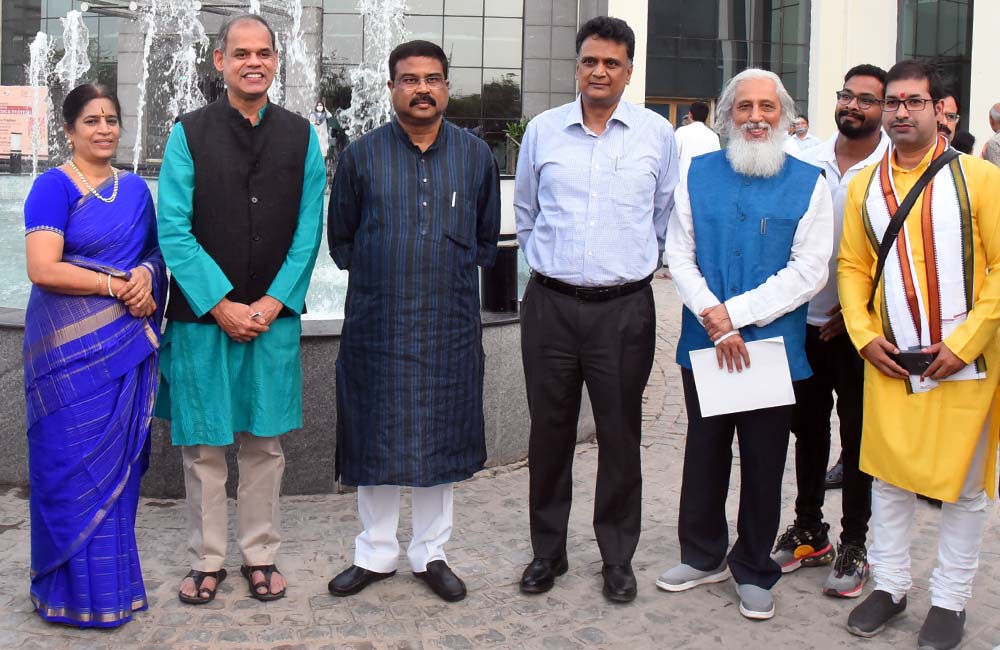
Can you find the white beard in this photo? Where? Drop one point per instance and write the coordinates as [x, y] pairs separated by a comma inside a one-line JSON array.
[[755, 157]]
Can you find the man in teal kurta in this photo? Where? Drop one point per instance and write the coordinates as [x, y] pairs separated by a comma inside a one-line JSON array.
[[240, 220]]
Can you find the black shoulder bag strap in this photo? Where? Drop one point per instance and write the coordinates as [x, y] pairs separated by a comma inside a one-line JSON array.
[[896, 222]]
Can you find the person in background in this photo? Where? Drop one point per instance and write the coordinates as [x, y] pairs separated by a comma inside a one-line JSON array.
[[837, 368], [964, 142], [695, 138], [320, 119], [801, 135], [91, 344], [991, 150], [949, 117]]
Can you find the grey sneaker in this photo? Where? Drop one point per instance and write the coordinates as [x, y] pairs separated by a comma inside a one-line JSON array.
[[683, 577], [942, 629], [868, 618], [850, 571], [755, 602]]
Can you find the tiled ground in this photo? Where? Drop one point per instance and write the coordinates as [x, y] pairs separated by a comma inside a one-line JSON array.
[[489, 548]]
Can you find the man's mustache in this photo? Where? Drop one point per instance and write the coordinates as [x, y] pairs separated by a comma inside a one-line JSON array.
[[854, 114], [423, 98], [901, 123]]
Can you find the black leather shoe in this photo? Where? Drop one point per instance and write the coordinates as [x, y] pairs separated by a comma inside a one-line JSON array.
[[354, 579], [443, 581], [619, 583], [835, 477], [540, 575]]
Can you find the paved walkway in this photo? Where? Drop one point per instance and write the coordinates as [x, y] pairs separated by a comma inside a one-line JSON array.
[[489, 548]]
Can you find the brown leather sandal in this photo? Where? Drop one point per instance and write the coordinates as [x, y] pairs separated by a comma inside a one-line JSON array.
[[205, 595], [268, 570]]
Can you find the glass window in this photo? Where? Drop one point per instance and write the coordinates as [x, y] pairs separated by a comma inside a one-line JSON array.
[[57, 8], [427, 28], [463, 40], [939, 32], [501, 93], [340, 6], [465, 96], [435, 7], [463, 7], [511, 8], [502, 43], [465, 82], [695, 48], [343, 41]]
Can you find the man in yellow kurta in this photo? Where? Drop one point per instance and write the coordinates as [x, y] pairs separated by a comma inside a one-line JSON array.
[[931, 432]]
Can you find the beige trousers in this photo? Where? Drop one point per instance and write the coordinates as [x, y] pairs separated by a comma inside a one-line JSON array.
[[261, 466]]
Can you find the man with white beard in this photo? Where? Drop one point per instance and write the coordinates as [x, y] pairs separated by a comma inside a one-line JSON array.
[[748, 246]]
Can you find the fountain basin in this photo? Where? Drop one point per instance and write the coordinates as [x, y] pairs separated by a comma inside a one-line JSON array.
[[309, 452]]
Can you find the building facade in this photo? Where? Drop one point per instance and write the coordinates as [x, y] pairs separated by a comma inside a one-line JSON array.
[[516, 58]]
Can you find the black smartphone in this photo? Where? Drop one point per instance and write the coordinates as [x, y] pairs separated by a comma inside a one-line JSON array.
[[914, 362]]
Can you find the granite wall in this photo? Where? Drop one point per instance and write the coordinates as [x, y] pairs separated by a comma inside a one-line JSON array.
[[309, 452]]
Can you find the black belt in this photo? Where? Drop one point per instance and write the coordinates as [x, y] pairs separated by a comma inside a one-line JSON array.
[[595, 294]]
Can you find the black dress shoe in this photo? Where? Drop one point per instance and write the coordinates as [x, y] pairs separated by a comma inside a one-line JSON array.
[[442, 581], [354, 579], [540, 575], [619, 583], [835, 477]]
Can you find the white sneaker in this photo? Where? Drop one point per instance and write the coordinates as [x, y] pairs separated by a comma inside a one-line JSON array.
[[683, 577]]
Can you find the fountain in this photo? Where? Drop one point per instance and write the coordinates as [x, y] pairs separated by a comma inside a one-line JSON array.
[[149, 23], [39, 68], [371, 105], [173, 41], [75, 62]]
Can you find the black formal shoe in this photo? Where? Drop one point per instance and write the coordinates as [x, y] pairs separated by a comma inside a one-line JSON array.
[[541, 574], [442, 581], [835, 477], [354, 579], [619, 583]]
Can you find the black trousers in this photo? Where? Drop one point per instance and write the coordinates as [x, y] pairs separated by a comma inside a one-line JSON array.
[[566, 342], [708, 457], [837, 368]]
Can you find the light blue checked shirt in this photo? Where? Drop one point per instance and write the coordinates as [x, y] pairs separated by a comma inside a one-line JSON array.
[[592, 209]]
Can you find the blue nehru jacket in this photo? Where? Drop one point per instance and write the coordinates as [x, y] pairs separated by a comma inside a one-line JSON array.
[[744, 227]]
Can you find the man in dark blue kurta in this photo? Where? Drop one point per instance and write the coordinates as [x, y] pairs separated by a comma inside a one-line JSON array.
[[414, 208]]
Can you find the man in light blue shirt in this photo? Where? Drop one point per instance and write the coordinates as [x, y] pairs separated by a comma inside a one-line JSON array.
[[594, 189]]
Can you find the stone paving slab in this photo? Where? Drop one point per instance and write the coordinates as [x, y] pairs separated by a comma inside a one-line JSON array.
[[489, 548]]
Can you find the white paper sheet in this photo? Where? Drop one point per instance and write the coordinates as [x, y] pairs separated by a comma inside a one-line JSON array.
[[766, 383]]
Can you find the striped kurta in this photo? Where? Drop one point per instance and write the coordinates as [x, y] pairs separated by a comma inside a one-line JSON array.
[[411, 228]]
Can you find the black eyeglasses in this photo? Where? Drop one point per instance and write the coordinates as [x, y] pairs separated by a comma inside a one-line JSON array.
[[865, 102], [911, 103]]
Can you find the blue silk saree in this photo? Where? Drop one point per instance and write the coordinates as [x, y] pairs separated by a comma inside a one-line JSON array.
[[90, 372]]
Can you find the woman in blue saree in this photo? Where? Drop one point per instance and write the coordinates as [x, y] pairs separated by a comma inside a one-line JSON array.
[[91, 338]]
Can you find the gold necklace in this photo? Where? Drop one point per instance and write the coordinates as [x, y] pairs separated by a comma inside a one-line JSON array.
[[83, 179]]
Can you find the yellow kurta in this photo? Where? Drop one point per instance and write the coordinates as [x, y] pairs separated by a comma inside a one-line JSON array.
[[925, 442]]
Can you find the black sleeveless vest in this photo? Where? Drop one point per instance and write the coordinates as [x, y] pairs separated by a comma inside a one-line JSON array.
[[247, 189]]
